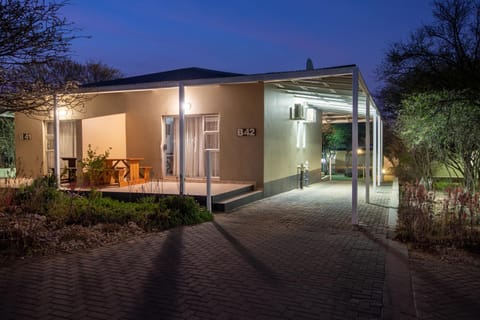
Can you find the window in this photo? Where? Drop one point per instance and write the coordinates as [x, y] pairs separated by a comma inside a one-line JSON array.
[[212, 133], [67, 141], [202, 133]]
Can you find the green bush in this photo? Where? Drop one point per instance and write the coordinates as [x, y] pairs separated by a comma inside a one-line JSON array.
[[94, 167], [38, 196], [42, 197], [442, 185]]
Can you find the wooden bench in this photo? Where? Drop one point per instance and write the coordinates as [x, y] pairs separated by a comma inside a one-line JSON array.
[[145, 173]]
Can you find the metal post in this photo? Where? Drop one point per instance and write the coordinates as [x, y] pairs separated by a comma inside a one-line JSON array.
[[209, 181], [379, 152], [380, 179], [56, 138], [181, 112], [375, 151], [354, 146], [330, 167], [367, 152]]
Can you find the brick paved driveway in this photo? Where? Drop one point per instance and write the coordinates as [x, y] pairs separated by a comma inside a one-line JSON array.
[[292, 256]]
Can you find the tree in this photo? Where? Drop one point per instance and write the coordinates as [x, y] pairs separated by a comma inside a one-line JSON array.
[[441, 127], [334, 136], [61, 77], [32, 34], [444, 55]]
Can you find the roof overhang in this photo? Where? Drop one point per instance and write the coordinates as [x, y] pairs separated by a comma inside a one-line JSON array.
[[326, 89]]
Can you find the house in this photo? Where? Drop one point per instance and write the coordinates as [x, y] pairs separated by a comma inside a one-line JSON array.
[[259, 128]]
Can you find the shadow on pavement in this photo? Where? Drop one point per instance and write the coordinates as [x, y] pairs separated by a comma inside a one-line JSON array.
[[160, 296], [267, 274], [382, 205]]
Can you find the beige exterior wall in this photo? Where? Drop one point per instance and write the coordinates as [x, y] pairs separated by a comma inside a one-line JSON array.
[[131, 123], [239, 106], [282, 156], [30, 157], [105, 133], [144, 112]]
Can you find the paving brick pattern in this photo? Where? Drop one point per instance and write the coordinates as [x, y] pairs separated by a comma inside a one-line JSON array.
[[445, 290], [292, 256]]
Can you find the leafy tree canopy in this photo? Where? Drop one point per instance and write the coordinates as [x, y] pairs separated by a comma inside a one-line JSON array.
[[440, 126], [444, 55]]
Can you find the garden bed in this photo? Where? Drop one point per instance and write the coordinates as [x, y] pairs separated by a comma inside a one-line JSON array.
[[440, 220], [39, 219]]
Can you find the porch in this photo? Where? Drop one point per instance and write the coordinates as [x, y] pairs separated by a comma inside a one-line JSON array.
[[226, 196]]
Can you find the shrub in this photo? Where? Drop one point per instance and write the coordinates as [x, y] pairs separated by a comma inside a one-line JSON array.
[[94, 167], [38, 196], [452, 220]]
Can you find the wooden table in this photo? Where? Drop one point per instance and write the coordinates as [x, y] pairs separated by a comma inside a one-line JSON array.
[[124, 171]]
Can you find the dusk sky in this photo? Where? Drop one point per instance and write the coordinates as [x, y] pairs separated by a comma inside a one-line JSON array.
[[147, 36]]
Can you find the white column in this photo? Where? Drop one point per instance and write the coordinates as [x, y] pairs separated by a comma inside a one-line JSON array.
[[209, 181], [367, 151], [181, 112], [56, 139], [355, 146], [375, 151], [379, 151]]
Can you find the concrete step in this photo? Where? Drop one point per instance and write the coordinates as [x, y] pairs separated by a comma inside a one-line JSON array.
[[232, 203], [232, 194]]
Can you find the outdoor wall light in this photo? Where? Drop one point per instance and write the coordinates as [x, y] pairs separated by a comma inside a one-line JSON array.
[[63, 113], [187, 106]]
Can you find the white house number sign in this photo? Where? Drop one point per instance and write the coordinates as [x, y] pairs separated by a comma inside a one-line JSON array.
[[246, 132]]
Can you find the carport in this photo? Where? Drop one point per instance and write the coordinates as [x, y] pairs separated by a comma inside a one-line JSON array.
[[343, 97]]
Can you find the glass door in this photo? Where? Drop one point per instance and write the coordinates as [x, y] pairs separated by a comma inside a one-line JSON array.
[[202, 133], [169, 146]]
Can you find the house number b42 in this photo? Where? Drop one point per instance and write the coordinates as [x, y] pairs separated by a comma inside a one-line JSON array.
[[246, 132]]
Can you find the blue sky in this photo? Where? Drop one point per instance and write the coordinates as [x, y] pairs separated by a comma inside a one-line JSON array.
[[146, 36]]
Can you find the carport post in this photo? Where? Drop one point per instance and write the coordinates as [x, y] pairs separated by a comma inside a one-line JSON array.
[[367, 150], [380, 179], [375, 151], [379, 151], [181, 115], [354, 146], [56, 132]]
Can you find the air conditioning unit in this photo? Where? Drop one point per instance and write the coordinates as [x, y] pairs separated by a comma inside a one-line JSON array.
[[297, 112]]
